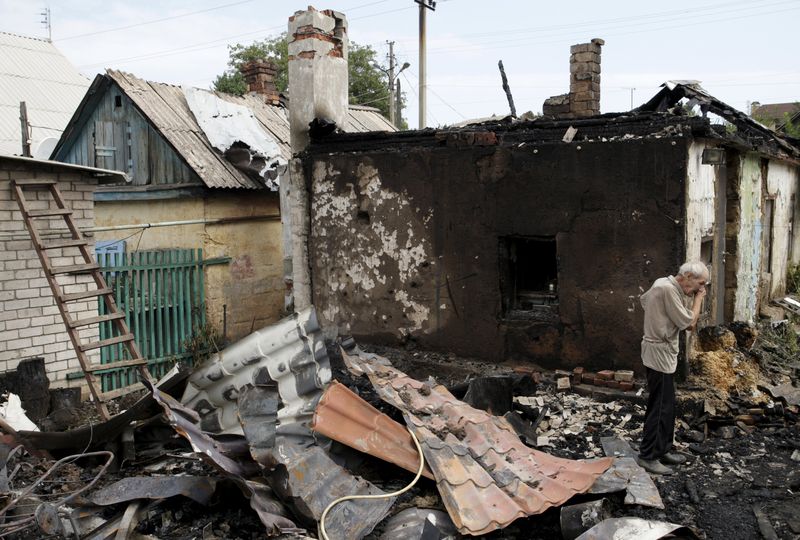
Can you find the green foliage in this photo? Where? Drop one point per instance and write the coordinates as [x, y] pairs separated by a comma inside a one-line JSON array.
[[368, 84], [792, 129], [793, 279]]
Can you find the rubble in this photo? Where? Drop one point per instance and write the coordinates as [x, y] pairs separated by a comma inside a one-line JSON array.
[[291, 426]]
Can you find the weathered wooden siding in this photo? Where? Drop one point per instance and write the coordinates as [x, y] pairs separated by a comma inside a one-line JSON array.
[[117, 136]]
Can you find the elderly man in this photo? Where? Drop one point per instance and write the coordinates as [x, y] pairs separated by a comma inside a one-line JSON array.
[[666, 314]]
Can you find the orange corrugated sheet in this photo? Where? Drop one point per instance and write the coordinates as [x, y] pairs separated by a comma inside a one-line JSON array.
[[486, 476], [345, 417]]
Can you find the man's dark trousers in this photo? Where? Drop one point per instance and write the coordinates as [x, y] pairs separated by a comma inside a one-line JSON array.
[[659, 422]]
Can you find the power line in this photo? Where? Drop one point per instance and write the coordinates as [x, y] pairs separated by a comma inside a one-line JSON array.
[[646, 28], [203, 45], [411, 86], [153, 21]]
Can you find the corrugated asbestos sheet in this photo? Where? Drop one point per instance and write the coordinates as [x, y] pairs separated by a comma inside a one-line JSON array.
[[165, 106], [34, 71], [486, 476], [266, 386]]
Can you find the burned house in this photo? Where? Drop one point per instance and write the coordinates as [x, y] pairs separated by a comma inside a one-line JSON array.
[[532, 240]]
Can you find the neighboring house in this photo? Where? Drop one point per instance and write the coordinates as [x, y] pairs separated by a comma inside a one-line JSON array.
[[534, 240], [30, 323], [775, 115], [33, 71], [210, 161]]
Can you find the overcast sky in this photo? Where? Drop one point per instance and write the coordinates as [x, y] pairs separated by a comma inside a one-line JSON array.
[[741, 51]]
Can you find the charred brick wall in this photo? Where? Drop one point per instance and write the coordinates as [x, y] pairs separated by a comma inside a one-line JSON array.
[[410, 241]]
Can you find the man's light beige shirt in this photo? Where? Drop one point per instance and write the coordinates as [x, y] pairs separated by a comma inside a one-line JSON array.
[[667, 311]]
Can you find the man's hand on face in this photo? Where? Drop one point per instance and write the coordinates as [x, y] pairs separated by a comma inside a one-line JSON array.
[[700, 294]]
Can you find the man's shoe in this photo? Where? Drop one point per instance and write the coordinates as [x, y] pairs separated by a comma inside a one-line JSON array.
[[672, 458], [653, 466]]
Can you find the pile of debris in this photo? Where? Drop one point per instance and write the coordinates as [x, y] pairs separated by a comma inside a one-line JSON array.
[[279, 433]]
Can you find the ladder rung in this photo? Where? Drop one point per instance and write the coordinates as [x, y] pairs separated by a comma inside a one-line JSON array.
[[35, 182], [106, 342], [58, 244], [91, 320], [115, 365], [51, 212], [86, 294], [73, 268]]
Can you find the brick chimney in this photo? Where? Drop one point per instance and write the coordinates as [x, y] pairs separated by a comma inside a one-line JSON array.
[[260, 78], [584, 84]]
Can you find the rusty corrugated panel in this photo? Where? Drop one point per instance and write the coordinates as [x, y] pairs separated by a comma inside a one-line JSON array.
[[486, 476], [304, 475], [345, 417]]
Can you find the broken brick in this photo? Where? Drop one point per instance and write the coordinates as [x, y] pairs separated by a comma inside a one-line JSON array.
[[626, 385], [623, 375], [606, 374]]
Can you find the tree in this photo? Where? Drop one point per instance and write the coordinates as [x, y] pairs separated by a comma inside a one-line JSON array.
[[369, 85]]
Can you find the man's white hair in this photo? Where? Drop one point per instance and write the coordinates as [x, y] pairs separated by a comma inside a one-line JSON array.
[[694, 268]]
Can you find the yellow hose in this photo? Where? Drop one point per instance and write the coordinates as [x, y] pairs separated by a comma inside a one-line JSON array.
[[322, 531]]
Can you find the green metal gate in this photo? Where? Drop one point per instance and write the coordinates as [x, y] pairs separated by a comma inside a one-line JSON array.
[[162, 296]]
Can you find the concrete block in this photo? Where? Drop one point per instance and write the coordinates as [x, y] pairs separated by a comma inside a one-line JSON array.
[[585, 47], [562, 384], [623, 375], [585, 57]]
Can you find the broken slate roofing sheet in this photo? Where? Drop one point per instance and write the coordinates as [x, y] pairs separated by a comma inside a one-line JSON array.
[[290, 354], [166, 107], [486, 476]]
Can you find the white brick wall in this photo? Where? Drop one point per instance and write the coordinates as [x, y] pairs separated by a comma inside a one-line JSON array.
[[30, 324]]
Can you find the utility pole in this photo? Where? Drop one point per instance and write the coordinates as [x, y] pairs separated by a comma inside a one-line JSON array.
[[423, 5], [398, 104], [46, 22], [26, 130], [391, 82]]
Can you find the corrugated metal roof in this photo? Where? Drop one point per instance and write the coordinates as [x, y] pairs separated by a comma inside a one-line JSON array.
[[486, 476], [34, 71], [166, 107], [267, 386]]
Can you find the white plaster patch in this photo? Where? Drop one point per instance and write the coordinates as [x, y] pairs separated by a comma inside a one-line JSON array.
[[357, 261]]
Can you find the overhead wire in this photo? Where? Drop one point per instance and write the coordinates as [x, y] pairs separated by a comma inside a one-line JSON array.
[[203, 45]]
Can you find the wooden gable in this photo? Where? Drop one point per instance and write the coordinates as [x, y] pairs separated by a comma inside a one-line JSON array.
[[113, 134]]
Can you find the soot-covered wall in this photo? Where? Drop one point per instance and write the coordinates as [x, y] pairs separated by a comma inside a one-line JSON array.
[[493, 248]]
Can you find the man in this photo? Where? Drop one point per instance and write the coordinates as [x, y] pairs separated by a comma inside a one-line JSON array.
[[666, 314]]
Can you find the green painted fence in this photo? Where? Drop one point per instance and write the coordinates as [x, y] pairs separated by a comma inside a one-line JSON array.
[[162, 296]]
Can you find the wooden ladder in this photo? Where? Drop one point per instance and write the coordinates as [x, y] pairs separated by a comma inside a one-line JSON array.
[[124, 336]]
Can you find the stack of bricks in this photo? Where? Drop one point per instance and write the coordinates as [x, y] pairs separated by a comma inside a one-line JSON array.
[[260, 78], [620, 379], [584, 79], [30, 324]]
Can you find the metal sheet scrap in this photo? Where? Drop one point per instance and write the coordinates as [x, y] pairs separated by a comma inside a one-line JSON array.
[[486, 476], [290, 354], [302, 472]]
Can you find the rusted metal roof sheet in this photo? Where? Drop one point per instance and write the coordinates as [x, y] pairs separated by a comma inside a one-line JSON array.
[[303, 473], [486, 476], [345, 417]]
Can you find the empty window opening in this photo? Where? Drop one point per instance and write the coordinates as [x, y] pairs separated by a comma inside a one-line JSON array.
[[117, 101], [529, 273], [707, 251]]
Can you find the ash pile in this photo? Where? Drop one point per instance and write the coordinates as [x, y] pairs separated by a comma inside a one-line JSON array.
[[285, 436]]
